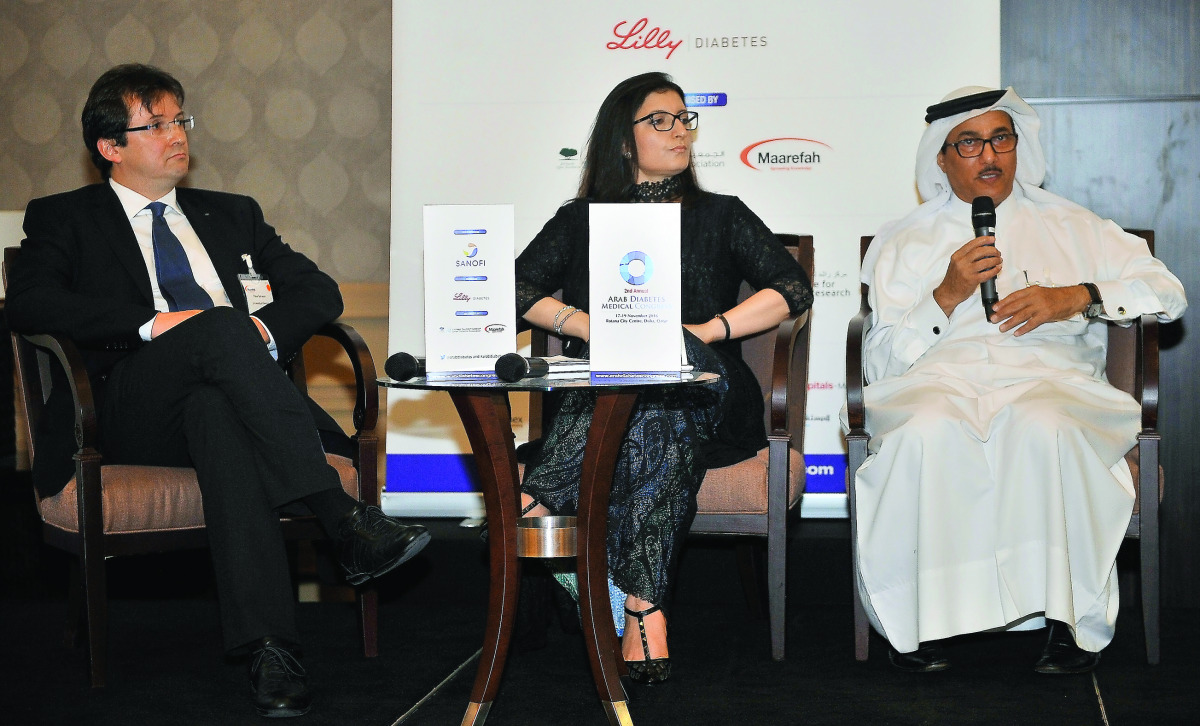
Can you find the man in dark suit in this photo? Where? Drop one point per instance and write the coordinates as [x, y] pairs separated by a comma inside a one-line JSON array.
[[185, 303]]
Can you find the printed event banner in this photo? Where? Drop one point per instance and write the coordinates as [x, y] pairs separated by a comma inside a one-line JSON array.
[[810, 112], [634, 290], [470, 302]]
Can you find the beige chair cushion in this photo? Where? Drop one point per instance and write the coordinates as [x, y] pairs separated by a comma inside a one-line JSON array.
[[153, 498], [742, 488]]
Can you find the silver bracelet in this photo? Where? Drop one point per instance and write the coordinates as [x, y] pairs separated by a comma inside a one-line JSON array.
[[558, 327]]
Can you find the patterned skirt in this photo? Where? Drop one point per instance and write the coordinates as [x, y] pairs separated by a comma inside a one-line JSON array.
[[658, 472]]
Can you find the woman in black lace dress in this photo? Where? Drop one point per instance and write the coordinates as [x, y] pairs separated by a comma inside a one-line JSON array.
[[640, 151]]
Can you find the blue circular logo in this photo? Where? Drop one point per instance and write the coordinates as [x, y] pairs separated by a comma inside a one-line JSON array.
[[636, 268]]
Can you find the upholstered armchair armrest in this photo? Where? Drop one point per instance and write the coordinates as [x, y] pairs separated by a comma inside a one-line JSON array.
[[64, 350], [789, 375], [539, 341], [366, 396], [856, 335], [1146, 371], [89, 498], [542, 342]]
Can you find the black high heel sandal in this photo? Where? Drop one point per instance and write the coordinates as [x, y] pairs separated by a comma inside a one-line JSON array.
[[651, 670]]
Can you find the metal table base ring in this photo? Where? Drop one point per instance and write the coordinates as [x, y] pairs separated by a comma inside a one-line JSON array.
[[546, 537]]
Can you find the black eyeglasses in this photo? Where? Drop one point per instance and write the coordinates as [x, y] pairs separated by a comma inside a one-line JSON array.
[[163, 128], [663, 121], [970, 148]]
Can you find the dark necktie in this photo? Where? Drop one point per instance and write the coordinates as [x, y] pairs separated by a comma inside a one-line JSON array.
[[175, 280]]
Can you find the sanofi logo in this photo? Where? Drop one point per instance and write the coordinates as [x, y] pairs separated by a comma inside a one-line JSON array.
[[636, 268], [471, 250], [698, 100]]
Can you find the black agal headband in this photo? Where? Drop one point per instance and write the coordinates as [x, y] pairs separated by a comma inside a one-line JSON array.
[[945, 109]]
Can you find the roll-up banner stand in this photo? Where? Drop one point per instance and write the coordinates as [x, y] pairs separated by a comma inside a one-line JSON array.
[[810, 111]]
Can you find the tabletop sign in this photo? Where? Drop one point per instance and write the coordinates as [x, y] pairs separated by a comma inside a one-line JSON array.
[[634, 291], [470, 300]]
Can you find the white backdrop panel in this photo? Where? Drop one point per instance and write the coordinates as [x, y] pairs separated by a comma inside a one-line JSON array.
[[493, 102]]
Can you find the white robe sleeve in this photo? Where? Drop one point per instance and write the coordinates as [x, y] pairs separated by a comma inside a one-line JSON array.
[[906, 320], [1132, 282]]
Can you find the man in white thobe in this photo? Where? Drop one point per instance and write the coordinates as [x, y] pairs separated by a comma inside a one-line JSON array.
[[995, 493]]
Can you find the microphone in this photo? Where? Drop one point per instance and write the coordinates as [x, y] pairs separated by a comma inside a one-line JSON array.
[[983, 219], [512, 367], [403, 366]]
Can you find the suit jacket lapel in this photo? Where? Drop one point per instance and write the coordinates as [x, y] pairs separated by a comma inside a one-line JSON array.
[[217, 240], [115, 230]]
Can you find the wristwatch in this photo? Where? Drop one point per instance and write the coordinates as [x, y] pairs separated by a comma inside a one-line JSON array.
[[1096, 306]]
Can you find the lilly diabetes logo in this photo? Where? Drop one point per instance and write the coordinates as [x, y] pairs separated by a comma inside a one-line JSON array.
[[636, 268], [787, 153], [638, 35]]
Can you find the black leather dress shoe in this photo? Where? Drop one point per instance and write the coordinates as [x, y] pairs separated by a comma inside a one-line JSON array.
[[928, 658], [277, 680], [1062, 656], [374, 543]]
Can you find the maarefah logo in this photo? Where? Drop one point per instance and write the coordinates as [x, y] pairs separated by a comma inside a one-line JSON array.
[[788, 153], [638, 35], [495, 328]]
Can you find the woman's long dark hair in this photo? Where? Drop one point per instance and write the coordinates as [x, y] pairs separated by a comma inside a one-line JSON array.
[[608, 175]]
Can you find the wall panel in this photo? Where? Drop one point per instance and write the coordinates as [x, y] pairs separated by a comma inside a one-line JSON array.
[[1117, 84]]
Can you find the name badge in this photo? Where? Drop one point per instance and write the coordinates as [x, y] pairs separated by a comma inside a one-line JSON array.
[[258, 291], [256, 287]]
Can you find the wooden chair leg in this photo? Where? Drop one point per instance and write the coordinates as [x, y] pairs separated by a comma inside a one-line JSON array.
[[1148, 486], [1150, 602], [76, 625], [862, 628], [368, 613], [95, 599], [857, 450], [748, 573], [777, 587]]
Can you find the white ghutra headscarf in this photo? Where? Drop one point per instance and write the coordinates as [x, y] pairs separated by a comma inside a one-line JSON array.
[[933, 184], [966, 103]]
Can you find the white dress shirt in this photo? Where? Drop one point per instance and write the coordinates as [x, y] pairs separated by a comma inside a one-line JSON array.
[[141, 219]]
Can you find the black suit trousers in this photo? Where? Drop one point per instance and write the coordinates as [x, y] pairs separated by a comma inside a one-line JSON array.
[[207, 394]]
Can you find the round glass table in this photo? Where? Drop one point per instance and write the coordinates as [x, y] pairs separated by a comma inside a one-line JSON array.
[[483, 406]]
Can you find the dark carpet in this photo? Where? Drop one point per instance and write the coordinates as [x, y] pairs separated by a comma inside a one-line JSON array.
[[166, 665]]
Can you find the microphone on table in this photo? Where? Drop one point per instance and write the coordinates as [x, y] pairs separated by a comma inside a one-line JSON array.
[[403, 366], [983, 219], [513, 367]]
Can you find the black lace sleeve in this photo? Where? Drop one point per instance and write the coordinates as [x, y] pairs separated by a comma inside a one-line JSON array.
[[764, 262], [554, 259]]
